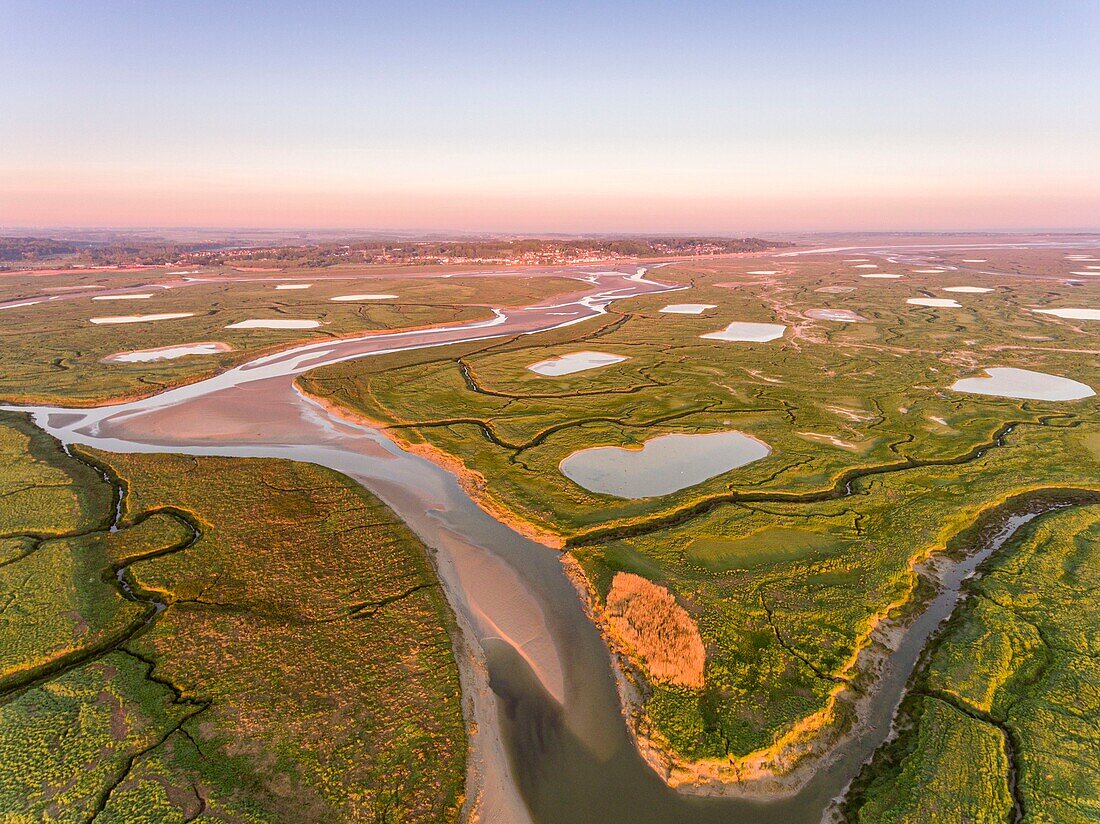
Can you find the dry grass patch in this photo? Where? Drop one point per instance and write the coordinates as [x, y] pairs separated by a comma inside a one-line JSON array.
[[650, 622]]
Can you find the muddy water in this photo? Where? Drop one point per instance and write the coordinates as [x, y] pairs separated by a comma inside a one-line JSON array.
[[552, 745]]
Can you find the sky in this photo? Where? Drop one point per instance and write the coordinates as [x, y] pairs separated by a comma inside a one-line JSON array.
[[690, 116]]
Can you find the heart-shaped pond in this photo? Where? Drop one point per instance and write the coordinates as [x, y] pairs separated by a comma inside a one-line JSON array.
[[662, 465]]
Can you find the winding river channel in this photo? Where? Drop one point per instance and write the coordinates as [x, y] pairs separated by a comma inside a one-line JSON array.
[[551, 742]]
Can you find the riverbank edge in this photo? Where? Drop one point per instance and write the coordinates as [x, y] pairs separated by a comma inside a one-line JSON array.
[[473, 671], [809, 745], [473, 483], [1041, 503]]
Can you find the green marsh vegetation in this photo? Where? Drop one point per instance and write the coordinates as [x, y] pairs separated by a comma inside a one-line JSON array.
[[1004, 716], [786, 564], [257, 640], [50, 352]]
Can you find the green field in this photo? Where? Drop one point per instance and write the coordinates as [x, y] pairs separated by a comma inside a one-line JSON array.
[[768, 547], [1006, 713], [785, 563], [259, 640]]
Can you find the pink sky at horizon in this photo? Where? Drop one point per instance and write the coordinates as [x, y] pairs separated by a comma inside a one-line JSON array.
[[128, 203], [650, 116]]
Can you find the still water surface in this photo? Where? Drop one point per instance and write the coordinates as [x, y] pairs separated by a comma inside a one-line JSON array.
[[662, 465]]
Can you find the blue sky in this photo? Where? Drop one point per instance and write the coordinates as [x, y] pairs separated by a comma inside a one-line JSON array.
[[689, 116]]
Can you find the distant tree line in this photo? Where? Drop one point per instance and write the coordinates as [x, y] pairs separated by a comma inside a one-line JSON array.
[[35, 248]]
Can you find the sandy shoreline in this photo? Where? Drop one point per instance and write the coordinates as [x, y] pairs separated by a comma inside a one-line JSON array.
[[473, 483], [768, 774]]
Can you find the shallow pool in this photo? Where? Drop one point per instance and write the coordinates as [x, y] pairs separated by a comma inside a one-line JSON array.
[[943, 303], [840, 315], [141, 318], [574, 362], [1072, 313], [687, 308], [746, 331], [275, 324], [363, 297], [662, 465], [1009, 382], [169, 352]]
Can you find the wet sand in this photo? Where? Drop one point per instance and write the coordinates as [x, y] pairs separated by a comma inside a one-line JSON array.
[[170, 352]]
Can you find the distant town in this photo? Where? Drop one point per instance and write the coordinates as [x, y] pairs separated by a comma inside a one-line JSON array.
[[24, 252]]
